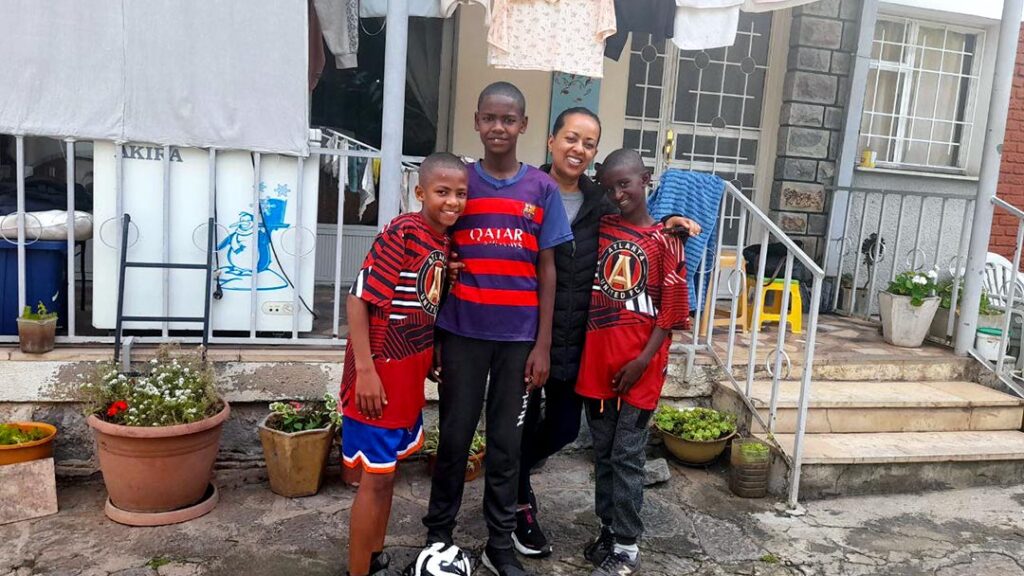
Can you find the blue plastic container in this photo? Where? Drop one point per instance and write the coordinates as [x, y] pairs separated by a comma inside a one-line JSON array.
[[45, 265]]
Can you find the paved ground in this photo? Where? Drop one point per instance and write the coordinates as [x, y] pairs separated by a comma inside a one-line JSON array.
[[695, 526]]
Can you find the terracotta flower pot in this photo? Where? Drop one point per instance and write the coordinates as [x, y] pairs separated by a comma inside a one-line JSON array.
[[473, 470], [28, 451], [36, 336], [693, 452], [159, 468], [295, 461]]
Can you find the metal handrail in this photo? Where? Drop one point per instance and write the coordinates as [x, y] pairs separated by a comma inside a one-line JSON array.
[[747, 210]]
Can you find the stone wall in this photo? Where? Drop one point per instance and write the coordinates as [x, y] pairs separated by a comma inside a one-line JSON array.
[[823, 41], [1011, 175]]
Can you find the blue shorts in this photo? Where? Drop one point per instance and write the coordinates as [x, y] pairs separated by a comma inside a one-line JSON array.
[[377, 449]]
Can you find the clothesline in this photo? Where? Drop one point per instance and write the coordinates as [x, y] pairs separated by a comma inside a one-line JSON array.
[[570, 36]]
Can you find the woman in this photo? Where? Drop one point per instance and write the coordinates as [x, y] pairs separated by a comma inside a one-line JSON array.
[[573, 146]]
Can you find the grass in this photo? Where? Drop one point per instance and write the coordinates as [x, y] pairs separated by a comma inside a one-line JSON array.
[[158, 561], [770, 558]]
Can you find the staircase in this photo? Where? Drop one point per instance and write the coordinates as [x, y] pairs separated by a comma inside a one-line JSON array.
[[927, 428]]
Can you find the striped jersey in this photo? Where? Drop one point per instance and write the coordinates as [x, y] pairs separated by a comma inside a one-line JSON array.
[[640, 283], [498, 237], [401, 279]]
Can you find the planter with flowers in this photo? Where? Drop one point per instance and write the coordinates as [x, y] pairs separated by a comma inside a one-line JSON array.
[[28, 485], [157, 435], [296, 438], [694, 436], [37, 329], [988, 315], [907, 308]]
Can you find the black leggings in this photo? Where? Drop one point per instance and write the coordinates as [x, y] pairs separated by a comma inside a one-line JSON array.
[[545, 434]]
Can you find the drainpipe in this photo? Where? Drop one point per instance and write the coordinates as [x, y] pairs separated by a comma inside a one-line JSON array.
[[393, 121], [981, 229], [851, 134]]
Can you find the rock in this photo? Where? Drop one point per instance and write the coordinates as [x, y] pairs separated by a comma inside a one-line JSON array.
[[656, 472]]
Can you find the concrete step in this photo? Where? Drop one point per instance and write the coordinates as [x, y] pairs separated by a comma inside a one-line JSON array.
[[883, 462], [855, 407]]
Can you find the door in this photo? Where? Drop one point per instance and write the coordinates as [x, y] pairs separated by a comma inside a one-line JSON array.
[[711, 101]]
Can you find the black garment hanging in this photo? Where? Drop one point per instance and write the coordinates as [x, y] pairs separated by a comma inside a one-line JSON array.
[[655, 17]]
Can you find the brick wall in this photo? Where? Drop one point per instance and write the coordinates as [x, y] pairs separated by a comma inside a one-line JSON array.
[[823, 40], [1011, 172]]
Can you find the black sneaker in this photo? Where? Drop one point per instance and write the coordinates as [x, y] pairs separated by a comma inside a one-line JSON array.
[[617, 564], [503, 563], [599, 549], [528, 538]]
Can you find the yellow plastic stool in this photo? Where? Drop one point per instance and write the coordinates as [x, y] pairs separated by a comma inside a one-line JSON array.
[[727, 264], [772, 312]]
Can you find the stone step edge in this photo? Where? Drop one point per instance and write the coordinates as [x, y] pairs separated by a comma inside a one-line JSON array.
[[785, 441]]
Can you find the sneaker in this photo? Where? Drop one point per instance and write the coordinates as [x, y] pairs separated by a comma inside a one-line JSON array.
[[599, 549], [617, 564], [528, 538], [502, 563]]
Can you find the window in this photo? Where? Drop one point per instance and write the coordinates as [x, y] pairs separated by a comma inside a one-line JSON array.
[[920, 100]]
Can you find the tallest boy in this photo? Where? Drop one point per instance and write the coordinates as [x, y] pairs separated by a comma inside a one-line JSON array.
[[496, 323]]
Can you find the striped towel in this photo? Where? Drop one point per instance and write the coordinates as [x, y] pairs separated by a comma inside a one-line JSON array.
[[698, 197]]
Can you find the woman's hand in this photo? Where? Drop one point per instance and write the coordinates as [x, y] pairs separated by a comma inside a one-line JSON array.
[[681, 225]]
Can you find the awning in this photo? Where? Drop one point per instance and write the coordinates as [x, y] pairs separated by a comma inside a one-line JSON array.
[[229, 74]]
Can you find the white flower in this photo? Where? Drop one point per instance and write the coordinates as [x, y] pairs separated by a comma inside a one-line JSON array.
[[920, 280], [933, 274]]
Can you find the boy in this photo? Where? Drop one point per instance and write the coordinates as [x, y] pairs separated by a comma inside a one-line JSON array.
[[639, 297], [391, 311], [496, 322]]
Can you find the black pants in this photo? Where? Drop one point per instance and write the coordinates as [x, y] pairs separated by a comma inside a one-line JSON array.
[[548, 431], [465, 366], [620, 440]]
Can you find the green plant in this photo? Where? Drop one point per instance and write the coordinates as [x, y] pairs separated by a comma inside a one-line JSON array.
[[770, 558], [11, 434], [157, 561], [754, 451], [945, 292], [293, 416], [477, 446], [176, 388], [917, 285], [40, 313], [695, 424]]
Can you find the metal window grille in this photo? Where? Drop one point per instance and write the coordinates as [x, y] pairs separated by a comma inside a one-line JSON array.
[[921, 94]]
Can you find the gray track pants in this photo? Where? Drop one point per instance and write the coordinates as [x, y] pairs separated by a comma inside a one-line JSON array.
[[620, 438]]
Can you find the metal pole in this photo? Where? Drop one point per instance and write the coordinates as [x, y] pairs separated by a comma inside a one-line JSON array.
[[995, 129], [19, 168], [851, 130], [393, 121], [69, 157]]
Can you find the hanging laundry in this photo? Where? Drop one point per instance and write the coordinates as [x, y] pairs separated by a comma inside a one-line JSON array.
[[368, 186], [317, 58], [420, 8], [339, 20], [769, 5], [654, 17], [706, 24], [448, 8], [552, 36]]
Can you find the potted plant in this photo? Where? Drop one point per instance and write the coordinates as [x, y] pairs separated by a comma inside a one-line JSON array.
[[157, 435], [26, 441], [749, 461], [907, 308], [296, 438], [477, 451], [988, 315], [695, 435], [37, 329]]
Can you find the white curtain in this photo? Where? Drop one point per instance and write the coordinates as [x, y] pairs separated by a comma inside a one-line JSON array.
[[226, 74]]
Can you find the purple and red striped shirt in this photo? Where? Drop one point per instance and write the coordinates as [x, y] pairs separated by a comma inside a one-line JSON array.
[[499, 236]]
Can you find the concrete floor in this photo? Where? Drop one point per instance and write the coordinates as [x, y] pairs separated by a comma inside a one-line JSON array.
[[695, 526]]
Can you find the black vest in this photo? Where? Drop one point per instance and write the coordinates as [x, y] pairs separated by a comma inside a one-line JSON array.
[[575, 264]]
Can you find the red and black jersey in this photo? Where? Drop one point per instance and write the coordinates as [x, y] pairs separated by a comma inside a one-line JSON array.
[[640, 284], [402, 279]]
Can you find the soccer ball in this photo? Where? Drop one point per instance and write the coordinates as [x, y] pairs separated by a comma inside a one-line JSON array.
[[440, 559]]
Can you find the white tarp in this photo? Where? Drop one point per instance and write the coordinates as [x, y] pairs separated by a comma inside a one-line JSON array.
[[203, 73]]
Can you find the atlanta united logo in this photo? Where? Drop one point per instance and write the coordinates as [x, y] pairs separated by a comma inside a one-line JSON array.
[[429, 282], [622, 271]]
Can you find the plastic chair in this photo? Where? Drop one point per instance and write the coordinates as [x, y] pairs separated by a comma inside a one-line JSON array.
[[727, 267], [771, 309], [999, 275]]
